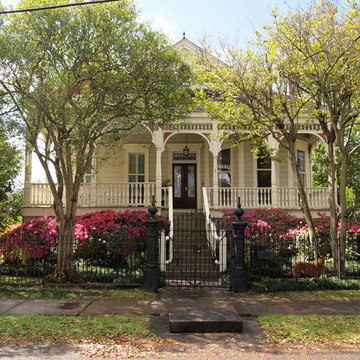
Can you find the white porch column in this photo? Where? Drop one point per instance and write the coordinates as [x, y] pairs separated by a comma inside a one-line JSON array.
[[215, 181], [158, 141], [215, 148], [241, 165], [275, 175], [274, 183], [158, 175], [28, 174]]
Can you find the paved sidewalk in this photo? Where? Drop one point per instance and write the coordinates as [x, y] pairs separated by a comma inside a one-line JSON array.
[[249, 344], [172, 297]]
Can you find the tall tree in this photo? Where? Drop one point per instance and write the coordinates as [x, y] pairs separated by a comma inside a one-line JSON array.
[[255, 97], [10, 165], [79, 75], [323, 41], [307, 65]]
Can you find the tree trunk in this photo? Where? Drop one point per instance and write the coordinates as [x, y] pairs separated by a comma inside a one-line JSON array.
[[343, 219], [66, 232], [333, 206], [27, 258], [304, 201], [65, 265]]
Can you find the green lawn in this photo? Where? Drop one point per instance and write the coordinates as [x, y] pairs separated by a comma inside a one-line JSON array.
[[312, 329], [40, 329], [55, 292], [317, 295]]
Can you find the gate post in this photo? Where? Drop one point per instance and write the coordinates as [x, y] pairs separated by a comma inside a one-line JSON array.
[[151, 273], [239, 275]]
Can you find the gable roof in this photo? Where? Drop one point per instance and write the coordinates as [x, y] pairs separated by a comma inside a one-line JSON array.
[[188, 49]]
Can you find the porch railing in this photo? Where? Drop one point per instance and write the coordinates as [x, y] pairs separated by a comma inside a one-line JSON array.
[[100, 194], [284, 197], [140, 194]]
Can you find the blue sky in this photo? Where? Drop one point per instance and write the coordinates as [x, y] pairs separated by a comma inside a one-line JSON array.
[[232, 21]]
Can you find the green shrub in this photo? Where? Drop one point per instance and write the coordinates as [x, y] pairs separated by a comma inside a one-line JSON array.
[[274, 285]]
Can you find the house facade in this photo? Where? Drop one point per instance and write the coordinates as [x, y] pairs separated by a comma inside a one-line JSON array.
[[186, 166]]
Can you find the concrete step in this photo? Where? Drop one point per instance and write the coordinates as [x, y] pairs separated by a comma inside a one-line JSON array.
[[204, 319]]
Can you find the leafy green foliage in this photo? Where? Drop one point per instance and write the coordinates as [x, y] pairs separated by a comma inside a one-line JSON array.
[[10, 164], [82, 75], [321, 177]]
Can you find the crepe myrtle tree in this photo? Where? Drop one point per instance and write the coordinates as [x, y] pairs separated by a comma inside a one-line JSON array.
[[253, 96], [305, 66], [79, 75], [321, 44]]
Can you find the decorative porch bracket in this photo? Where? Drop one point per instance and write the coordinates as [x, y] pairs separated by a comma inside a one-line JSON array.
[[239, 275], [151, 273]]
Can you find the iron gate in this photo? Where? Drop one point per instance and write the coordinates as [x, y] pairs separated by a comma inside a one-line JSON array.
[[197, 254]]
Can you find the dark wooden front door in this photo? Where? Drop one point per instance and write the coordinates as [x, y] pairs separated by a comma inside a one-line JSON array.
[[184, 180]]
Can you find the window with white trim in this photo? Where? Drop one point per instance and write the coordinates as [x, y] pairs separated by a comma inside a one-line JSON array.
[[224, 168], [136, 167], [264, 171], [300, 158]]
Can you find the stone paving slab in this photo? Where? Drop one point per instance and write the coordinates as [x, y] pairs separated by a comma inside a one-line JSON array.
[[49, 307], [7, 304], [251, 333], [204, 319], [118, 306]]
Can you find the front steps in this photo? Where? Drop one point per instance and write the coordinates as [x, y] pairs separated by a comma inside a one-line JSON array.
[[204, 319], [193, 262]]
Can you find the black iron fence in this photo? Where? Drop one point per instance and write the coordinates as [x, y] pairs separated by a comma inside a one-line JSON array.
[[197, 255], [118, 260], [274, 255]]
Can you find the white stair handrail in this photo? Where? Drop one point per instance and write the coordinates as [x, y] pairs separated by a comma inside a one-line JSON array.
[[167, 238], [212, 236]]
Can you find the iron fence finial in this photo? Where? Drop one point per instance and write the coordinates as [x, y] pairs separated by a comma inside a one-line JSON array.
[[152, 209], [239, 212]]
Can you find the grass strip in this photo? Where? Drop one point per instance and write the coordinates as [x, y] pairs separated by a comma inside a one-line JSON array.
[[41, 329], [267, 285], [316, 295], [324, 295], [312, 329], [39, 292]]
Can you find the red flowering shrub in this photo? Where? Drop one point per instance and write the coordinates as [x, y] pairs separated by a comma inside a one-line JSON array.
[[39, 236], [322, 226], [278, 220], [112, 237]]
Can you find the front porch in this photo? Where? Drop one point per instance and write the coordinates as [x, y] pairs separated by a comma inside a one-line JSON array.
[[188, 158], [135, 195]]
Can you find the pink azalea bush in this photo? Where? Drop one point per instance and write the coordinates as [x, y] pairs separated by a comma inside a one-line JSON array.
[[270, 220], [39, 236], [113, 236], [278, 226], [322, 226]]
